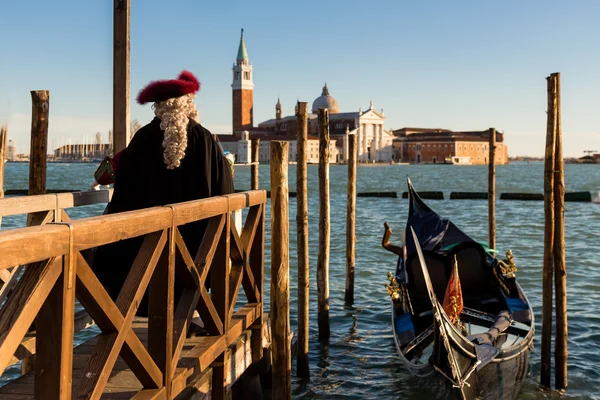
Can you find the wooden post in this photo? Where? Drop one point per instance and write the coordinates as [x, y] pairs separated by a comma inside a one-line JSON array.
[[302, 368], [280, 272], [492, 191], [40, 104], [560, 267], [255, 164], [121, 47], [54, 344], [324, 229], [3, 132], [351, 221], [547, 272]]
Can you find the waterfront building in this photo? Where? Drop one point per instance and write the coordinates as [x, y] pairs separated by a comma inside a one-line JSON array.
[[374, 141], [82, 152], [11, 151], [431, 146]]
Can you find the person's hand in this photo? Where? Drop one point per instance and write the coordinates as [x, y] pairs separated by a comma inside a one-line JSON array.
[[95, 186]]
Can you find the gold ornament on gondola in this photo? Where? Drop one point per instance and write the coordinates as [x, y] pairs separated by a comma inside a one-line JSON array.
[[393, 289], [508, 267]]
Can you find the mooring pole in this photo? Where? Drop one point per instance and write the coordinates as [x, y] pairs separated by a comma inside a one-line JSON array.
[[255, 164], [280, 272], [547, 273], [38, 152], [302, 367], [3, 134], [351, 221], [324, 228], [560, 264], [121, 74], [492, 190]]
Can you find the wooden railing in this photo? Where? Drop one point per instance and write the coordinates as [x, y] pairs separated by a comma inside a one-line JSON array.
[[55, 273]]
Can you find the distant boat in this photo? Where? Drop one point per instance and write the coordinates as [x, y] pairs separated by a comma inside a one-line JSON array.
[[458, 160], [597, 199]]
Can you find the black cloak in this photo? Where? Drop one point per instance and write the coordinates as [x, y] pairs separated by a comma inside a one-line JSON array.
[[143, 180]]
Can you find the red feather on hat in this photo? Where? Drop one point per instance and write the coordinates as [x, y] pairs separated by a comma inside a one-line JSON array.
[[156, 91]]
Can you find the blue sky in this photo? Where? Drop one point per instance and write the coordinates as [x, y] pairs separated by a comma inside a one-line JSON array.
[[462, 65]]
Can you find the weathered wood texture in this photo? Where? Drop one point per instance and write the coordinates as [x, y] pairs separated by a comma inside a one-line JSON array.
[[47, 289], [351, 221], [547, 272], [302, 365], [254, 169], [3, 133], [121, 74], [38, 153], [560, 264], [280, 272], [324, 228], [492, 190], [188, 383]]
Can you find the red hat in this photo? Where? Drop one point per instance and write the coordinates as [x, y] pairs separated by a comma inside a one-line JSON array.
[[185, 83]]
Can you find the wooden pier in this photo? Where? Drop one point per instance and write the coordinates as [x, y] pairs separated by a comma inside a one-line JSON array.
[[127, 359]]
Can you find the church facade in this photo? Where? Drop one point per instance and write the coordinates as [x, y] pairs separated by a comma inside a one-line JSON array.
[[375, 143]]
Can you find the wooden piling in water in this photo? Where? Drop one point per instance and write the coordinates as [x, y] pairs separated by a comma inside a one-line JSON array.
[[302, 365], [255, 164], [121, 74], [280, 274], [324, 228], [547, 272], [492, 190], [560, 267], [3, 132], [40, 105], [351, 221]]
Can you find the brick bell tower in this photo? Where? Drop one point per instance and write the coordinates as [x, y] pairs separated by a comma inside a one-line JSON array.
[[242, 90]]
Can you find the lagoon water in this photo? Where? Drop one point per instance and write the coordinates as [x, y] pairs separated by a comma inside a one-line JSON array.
[[359, 361]]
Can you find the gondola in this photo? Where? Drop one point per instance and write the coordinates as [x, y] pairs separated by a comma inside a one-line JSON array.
[[471, 341]]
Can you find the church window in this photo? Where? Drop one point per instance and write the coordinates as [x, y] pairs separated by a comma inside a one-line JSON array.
[[434, 147], [237, 75], [428, 147], [471, 147]]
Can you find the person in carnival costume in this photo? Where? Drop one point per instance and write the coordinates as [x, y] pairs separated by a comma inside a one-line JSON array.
[[172, 159]]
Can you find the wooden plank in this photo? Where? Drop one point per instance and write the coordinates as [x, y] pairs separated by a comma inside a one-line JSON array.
[[151, 394], [237, 249], [195, 210], [243, 319], [100, 230], [28, 245], [220, 298], [27, 204], [202, 355], [161, 310], [280, 273], [256, 258], [27, 347], [54, 347], [19, 311], [98, 303], [110, 343], [235, 281], [183, 314]]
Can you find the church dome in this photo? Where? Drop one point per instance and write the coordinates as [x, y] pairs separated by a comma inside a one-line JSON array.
[[325, 101]]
